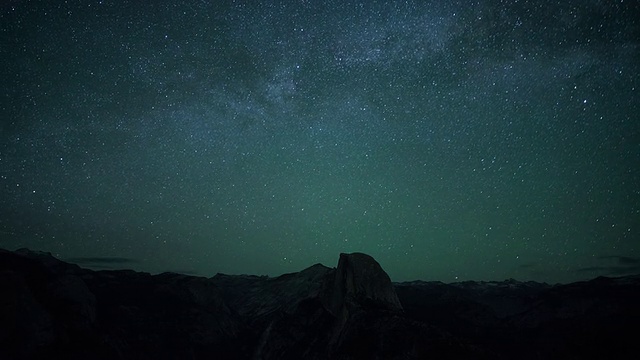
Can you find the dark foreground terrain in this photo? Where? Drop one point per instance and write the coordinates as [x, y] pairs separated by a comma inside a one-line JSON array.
[[51, 309]]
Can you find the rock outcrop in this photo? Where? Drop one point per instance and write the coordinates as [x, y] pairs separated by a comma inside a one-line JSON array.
[[52, 309], [360, 281]]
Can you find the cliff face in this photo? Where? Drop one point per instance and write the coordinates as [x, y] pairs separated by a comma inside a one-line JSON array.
[[360, 281], [319, 312], [51, 309]]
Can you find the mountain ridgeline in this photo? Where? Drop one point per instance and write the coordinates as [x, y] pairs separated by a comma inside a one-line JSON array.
[[53, 309]]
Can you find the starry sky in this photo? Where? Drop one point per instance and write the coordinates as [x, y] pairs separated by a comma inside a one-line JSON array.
[[450, 140]]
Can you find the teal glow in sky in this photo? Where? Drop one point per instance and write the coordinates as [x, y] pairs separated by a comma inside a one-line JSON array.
[[450, 140]]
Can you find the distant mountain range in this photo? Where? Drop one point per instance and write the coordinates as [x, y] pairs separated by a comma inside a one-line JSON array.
[[50, 309]]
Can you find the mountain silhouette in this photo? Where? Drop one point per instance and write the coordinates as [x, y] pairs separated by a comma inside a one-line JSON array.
[[53, 309]]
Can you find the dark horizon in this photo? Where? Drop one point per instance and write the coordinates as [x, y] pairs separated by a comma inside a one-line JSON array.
[[111, 264]]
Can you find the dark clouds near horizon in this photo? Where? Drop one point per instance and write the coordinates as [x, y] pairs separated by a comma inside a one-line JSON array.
[[448, 139], [614, 266]]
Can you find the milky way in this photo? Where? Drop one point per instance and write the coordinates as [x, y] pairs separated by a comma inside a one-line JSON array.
[[450, 140]]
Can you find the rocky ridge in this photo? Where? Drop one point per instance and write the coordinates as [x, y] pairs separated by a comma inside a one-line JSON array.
[[52, 309]]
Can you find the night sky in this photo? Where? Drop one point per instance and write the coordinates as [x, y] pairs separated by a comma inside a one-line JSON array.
[[450, 140]]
